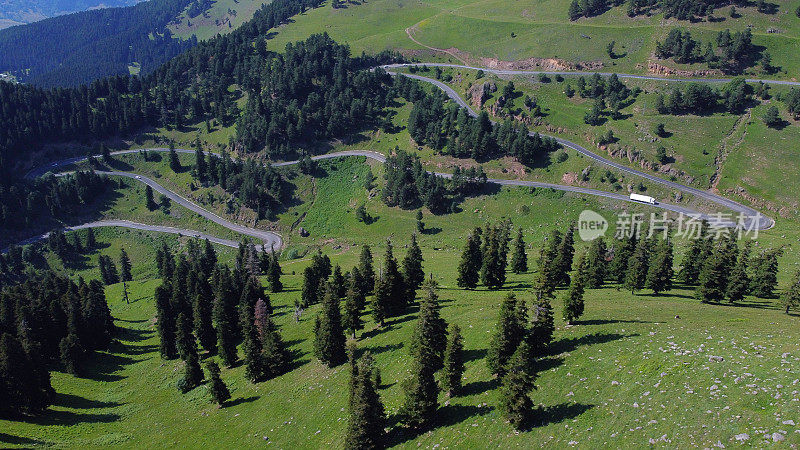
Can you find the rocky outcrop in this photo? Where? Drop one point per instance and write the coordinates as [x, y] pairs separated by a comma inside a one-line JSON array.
[[479, 93], [544, 64], [657, 69]]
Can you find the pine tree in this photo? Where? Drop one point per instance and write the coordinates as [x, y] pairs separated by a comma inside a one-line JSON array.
[[420, 223], [337, 280], [575, 12], [713, 276], [329, 339], [413, 276], [366, 270], [276, 355], [71, 353], [24, 382], [765, 273], [509, 332], [184, 339], [124, 266], [430, 331], [519, 260], [623, 250], [255, 366], [493, 269], [165, 323], [638, 265], [274, 273], [174, 161], [596, 264], [381, 302], [660, 272], [393, 280], [695, 256], [565, 254], [202, 313], [739, 281], [542, 324], [219, 391], [367, 421], [150, 201], [453, 361], [518, 382], [352, 307], [421, 392], [791, 298], [573, 302], [547, 277], [91, 241], [193, 373], [471, 261]]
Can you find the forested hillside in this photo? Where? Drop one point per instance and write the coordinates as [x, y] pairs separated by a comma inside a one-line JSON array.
[[79, 48], [15, 12]]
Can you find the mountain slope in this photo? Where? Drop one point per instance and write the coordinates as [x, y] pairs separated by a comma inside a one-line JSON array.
[[81, 47], [18, 12]]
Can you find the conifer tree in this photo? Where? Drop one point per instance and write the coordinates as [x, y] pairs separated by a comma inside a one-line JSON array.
[[218, 389], [547, 277], [509, 332], [255, 366], [421, 392], [274, 273], [420, 223], [165, 323], [623, 250], [203, 321], [366, 269], [329, 339], [91, 241], [193, 373], [174, 161], [638, 265], [493, 269], [184, 339], [381, 302], [564, 257], [519, 260], [150, 201], [393, 279], [25, 384], [471, 261], [714, 275], [764, 279], [695, 256], [596, 264], [739, 281], [413, 276], [430, 331], [124, 266], [338, 283], [453, 361], [276, 355], [353, 305], [573, 302], [660, 272], [518, 382], [367, 420], [71, 353], [542, 325], [791, 298]]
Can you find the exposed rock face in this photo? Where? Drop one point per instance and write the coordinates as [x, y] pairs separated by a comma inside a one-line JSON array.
[[479, 93], [545, 64], [655, 68], [303, 232]]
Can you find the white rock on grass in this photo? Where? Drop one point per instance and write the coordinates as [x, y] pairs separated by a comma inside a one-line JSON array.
[[742, 437]]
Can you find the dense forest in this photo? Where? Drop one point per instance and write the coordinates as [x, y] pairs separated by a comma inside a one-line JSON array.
[[30, 10], [692, 10], [79, 48]]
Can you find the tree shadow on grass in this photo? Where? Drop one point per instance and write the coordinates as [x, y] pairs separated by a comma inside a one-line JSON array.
[[240, 400], [105, 365], [607, 321], [546, 415], [19, 440], [474, 354], [479, 387], [78, 402], [67, 418], [569, 344], [384, 348], [445, 416]]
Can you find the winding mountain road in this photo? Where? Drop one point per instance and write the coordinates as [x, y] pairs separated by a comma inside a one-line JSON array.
[[753, 219], [763, 222]]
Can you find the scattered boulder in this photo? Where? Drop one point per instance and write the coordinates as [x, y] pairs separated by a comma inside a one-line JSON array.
[[716, 359], [303, 232]]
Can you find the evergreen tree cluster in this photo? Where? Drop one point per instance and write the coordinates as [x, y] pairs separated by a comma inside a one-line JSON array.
[[409, 185], [31, 204], [589, 8], [446, 127], [698, 98], [46, 322], [680, 9], [734, 52]]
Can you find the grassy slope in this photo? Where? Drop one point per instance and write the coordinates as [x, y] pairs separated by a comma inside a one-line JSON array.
[[660, 363], [540, 27], [223, 17]]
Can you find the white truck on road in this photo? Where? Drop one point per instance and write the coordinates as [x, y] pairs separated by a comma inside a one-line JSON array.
[[643, 199]]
